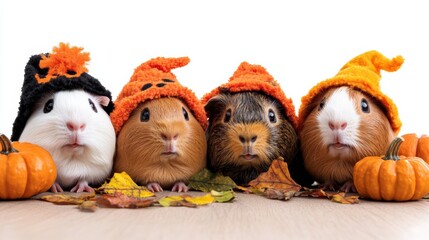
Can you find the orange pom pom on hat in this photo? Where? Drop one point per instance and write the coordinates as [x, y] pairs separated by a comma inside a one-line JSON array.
[[362, 73], [249, 77], [152, 80]]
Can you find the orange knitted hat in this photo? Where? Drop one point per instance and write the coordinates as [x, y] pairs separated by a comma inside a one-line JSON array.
[[152, 80], [250, 77], [363, 73]]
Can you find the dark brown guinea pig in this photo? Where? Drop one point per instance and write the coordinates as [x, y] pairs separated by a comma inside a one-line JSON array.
[[246, 132], [347, 118], [160, 127], [251, 123]]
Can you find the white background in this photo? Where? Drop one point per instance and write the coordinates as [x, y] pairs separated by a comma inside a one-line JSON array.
[[299, 42]]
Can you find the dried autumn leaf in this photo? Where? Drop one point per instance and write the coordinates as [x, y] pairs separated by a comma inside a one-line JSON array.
[[278, 194], [122, 183], [89, 206], [175, 201], [315, 193], [206, 181], [121, 200], [201, 200], [67, 198], [277, 177], [221, 197], [342, 198]]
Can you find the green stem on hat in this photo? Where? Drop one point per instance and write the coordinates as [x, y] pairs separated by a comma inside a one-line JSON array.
[[392, 151], [6, 145]]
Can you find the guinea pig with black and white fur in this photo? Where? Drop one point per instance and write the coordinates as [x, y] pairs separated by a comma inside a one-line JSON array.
[[66, 111], [160, 127], [251, 123], [78, 133], [347, 118]]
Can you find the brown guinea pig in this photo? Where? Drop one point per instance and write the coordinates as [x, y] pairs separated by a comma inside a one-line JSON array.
[[246, 132], [161, 145], [344, 126]]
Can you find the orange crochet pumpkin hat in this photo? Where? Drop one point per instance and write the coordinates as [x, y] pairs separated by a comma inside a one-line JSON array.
[[152, 80], [250, 77], [362, 73]]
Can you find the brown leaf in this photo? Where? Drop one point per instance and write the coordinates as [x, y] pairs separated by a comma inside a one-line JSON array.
[[67, 198], [315, 193], [342, 198], [89, 206], [279, 194], [277, 177], [121, 200]]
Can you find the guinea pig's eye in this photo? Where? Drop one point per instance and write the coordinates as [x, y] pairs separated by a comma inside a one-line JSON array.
[[145, 116], [185, 114], [272, 116], [92, 105], [322, 104], [49, 105], [364, 105], [227, 116]]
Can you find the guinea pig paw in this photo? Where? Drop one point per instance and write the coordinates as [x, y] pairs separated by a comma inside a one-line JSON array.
[[82, 186], [154, 187], [180, 187], [56, 188], [348, 187], [328, 185]]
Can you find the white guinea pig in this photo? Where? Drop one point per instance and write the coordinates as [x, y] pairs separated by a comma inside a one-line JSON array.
[[78, 133], [344, 126]]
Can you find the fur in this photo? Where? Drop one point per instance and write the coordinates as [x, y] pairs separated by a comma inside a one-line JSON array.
[[92, 162], [365, 134], [140, 145], [230, 141]]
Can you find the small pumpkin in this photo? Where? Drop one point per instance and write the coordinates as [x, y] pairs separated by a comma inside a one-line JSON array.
[[413, 146], [25, 169], [392, 178]]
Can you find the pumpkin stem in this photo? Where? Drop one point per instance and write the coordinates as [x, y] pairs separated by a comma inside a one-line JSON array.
[[392, 151], [6, 145]]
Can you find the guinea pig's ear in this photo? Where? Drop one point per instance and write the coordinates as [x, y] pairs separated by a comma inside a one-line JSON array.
[[214, 105], [103, 100]]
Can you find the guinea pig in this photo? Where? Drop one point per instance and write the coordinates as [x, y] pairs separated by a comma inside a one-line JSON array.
[[161, 145], [78, 133], [344, 126], [246, 132]]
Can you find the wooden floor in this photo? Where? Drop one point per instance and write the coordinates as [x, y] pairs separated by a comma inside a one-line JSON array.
[[247, 217]]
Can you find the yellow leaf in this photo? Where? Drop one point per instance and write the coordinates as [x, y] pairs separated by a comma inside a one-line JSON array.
[[122, 183], [342, 198], [201, 200], [175, 201]]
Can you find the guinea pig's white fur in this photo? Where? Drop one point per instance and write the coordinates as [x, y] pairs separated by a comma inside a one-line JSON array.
[[339, 109], [338, 132], [73, 120]]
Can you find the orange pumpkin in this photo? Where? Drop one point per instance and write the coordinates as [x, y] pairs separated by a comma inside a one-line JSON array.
[[25, 169], [392, 178], [413, 146]]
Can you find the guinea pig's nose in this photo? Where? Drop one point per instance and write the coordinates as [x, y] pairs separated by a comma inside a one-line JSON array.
[[75, 126], [244, 139], [337, 125], [169, 136]]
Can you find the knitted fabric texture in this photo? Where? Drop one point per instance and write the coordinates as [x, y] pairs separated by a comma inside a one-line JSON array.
[[362, 73], [63, 69], [153, 80], [250, 77]]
